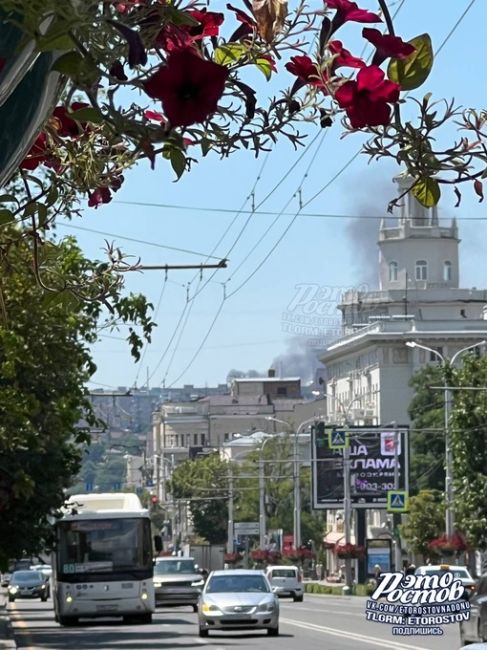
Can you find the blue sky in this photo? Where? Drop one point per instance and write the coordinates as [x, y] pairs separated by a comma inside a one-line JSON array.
[[252, 327]]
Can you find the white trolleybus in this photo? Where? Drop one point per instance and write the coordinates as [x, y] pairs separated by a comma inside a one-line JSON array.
[[103, 561]]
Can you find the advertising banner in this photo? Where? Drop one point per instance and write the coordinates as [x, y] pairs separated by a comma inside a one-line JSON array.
[[373, 458]]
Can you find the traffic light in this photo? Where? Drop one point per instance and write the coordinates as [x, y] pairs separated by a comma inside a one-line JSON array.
[[154, 499], [320, 434]]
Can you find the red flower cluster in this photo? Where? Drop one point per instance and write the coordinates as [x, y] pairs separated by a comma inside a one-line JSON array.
[[342, 57], [247, 27], [307, 72], [103, 194], [351, 551], [176, 37], [70, 128], [188, 87], [444, 544], [232, 558], [366, 100]]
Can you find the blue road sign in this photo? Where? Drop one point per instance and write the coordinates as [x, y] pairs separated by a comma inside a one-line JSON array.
[[397, 500], [338, 439]]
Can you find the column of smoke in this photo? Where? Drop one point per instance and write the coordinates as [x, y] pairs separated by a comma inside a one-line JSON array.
[[299, 360]]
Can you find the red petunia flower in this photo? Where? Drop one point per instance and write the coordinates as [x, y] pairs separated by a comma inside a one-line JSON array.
[[387, 45], [37, 155], [70, 128], [188, 87], [366, 100], [306, 71], [209, 23], [155, 116], [248, 25], [349, 11], [99, 196], [343, 58]]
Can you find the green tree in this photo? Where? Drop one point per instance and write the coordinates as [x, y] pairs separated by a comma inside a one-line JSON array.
[[44, 364], [425, 521], [205, 483], [468, 434], [427, 438]]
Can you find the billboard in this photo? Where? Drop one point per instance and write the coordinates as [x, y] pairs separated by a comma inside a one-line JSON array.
[[372, 460]]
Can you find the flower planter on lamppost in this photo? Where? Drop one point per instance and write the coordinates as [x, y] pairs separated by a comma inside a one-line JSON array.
[[29, 90]]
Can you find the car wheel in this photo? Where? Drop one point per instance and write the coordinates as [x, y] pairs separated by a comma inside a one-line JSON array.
[[43, 599], [145, 619], [463, 640], [273, 631], [11, 599], [68, 621], [195, 608], [298, 599], [203, 632]]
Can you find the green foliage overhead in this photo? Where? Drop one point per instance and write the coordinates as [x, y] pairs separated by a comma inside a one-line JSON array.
[[44, 364]]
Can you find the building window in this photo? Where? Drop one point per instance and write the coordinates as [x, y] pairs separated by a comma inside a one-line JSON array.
[[447, 271], [421, 270], [434, 357], [195, 439], [392, 271], [203, 439], [282, 390]]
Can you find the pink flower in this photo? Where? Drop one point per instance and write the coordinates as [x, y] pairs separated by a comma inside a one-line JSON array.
[[343, 58], [348, 11], [366, 100]]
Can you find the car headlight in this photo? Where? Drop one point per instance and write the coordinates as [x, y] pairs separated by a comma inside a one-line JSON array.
[[198, 583], [266, 607], [13, 590], [207, 608], [157, 584], [43, 586]]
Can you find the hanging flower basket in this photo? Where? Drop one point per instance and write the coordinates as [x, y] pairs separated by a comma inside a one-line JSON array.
[[232, 558], [349, 551], [448, 546], [259, 555]]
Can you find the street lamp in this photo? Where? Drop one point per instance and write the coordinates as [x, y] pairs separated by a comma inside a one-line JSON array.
[[296, 476], [449, 520]]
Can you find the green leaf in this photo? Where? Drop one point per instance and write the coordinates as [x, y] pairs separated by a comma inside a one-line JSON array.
[[265, 67], [230, 53], [205, 146], [69, 63], [56, 42], [412, 72], [427, 191], [8, 198], [6, 216], [88, 114], [178, 162]]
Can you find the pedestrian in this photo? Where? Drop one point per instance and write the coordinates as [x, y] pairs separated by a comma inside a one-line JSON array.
[[377, 573]]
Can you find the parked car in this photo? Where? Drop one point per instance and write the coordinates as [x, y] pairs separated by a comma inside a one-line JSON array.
[[27, 584], [177, 581], [475, 629], [459, 572], [238, 599], [286, 581]]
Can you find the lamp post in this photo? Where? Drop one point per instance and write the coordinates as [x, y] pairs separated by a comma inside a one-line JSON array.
[[445, 361], [296, 476]]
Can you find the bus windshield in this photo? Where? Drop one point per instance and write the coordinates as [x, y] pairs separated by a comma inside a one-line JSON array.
[[104, 545]]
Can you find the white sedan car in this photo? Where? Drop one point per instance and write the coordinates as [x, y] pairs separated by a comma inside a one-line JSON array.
[[238, 599]]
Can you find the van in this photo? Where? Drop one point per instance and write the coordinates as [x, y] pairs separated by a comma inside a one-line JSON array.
[[286, 581]]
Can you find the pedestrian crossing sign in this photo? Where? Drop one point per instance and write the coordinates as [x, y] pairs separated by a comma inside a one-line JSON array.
[[397, 501], [338, 439]]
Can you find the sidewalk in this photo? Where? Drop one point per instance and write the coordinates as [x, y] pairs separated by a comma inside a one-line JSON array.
[[6, 635]]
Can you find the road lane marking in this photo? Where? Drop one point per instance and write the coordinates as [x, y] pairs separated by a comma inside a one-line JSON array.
[[323, 611], [383, 643], [18, 622]]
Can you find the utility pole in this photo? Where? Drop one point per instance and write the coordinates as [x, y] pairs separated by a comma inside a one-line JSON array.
[[262, 515], [297, 495], [396, 517], [347, 513], [230, 512]]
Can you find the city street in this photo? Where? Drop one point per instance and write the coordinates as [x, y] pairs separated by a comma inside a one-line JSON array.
[[317, 623]]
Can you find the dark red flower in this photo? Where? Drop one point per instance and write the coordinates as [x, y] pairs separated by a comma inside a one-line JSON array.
[[99, 196], [342, 57], [155, 116], [248, 24], [306, 71], [367, 99], [188, 87], [209, 23], [349, 11], [174, 37], [37, 155], [387, 45], [70, 128]]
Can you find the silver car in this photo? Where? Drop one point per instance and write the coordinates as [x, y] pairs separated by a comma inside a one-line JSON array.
[[238, 599], [177, 581]]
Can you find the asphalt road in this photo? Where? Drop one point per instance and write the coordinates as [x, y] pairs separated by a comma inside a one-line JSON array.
[[319, 623]]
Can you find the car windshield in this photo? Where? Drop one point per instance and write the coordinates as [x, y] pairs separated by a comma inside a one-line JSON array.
[[26, 576], [457, 573], [174, 566], [236, 584], [283, 573]]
